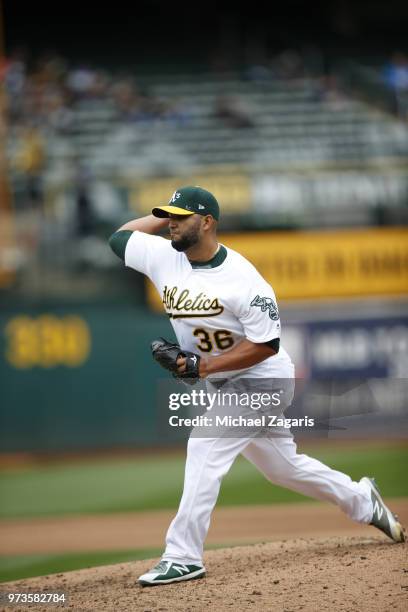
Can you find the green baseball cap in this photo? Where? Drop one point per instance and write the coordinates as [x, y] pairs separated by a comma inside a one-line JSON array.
[[189, 200]]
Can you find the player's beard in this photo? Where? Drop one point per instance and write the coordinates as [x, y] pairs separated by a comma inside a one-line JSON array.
[[189, 239]]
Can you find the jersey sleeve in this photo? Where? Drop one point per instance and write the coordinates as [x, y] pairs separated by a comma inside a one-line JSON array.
[[259, 314], [118, 242], [147, 253]]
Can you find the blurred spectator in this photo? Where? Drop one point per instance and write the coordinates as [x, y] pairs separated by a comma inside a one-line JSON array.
[[125, 98], [229, 109], [60, 117], [396, 72], [288, 65], [29, 163], [332, 94], [173, 112], [85, 218], [81, 81], [395, 76], [140, 106], [258, 72], [14, 73], [146, 108], [99, 89], [50, 68]]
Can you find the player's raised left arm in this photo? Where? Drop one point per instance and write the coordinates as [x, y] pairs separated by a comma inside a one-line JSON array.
[[147, 225]]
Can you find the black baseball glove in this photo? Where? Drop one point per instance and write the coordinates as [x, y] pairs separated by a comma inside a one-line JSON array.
[[167, 353]]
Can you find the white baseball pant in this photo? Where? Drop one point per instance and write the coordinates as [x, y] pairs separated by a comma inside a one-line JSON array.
[[209, 459]]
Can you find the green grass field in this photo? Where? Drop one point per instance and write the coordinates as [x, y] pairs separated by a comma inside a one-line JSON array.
[[148, 483]]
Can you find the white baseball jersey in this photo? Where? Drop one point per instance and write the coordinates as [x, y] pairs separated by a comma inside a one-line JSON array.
[[212, 308]]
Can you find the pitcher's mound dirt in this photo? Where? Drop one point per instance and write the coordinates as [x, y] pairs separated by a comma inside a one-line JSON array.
[[333, 574]]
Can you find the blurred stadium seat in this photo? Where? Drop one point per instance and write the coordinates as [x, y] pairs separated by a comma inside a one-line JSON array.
[[88, 148], [286, 141]]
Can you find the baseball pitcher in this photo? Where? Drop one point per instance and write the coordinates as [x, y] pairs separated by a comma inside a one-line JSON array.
[[226, 321]]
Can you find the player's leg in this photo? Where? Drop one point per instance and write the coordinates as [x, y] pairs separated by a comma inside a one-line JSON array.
[[208, 460], [278, 460]]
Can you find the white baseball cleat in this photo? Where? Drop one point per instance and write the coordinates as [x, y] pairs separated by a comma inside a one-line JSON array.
[[383, 518], [166, 572]]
